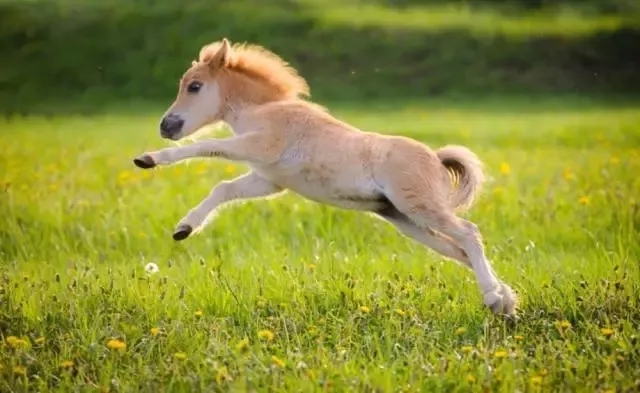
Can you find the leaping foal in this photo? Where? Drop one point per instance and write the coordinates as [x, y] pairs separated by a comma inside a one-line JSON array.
[[293, 144]]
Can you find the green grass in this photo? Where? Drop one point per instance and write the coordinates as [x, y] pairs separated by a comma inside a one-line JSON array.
[[481, 21], [79, 223]]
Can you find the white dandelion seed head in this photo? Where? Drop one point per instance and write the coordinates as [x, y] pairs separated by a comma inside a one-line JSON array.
[[151, 268]]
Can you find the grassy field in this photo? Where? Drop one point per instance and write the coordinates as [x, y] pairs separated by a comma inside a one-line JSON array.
[[288, 295]]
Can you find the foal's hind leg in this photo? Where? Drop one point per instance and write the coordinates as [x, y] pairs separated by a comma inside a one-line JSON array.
[[498, 296], [427, 237]]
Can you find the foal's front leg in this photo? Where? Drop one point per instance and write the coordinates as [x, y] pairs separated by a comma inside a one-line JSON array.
[[253, 147], [246, 186]]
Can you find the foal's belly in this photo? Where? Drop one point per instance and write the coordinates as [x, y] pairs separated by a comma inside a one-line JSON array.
[[347, 192]]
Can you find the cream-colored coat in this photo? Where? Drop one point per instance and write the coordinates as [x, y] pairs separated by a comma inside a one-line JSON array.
[[293, 144]]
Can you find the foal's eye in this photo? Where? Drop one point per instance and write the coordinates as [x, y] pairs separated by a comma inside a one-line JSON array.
[[194, 87]]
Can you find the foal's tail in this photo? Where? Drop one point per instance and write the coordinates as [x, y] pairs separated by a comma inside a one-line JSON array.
[[467, 172]]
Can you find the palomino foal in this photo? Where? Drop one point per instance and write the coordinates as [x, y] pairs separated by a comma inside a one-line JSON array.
[[293, 144]]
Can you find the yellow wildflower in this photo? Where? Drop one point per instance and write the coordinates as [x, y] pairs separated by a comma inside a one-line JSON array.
[[15, 342], [202, 168], [564, 324], [460, 330], [466, 348], [568, 174], [19, 370], [266, 334], [66, 364], [222, 374], [230, 169], [518, 337], [471, 378], [584, 200], [242, 344], [606, 332], [154, 331], [500, 354], [124, 176], [180, 356], [277, 361], [365, 309], [198, 313], [536, 380], [311, 266], [400, 312], [505, 169], [116, 344]]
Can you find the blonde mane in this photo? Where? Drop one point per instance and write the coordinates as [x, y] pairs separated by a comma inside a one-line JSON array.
[[262, 65]]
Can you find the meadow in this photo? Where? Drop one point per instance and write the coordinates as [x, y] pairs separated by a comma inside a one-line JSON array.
[[289, 295]]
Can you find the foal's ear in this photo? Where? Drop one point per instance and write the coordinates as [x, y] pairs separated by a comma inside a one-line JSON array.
[[221, 58]]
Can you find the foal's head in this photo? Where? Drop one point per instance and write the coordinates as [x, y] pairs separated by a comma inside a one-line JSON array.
[[225, 76]]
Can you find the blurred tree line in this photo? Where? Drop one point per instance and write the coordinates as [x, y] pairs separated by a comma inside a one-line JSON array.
[[55, 51]]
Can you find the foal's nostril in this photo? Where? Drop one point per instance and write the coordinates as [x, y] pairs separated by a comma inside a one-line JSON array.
[[171, 124]]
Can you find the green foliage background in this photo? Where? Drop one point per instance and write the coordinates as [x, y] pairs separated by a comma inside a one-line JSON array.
[[63, 51]]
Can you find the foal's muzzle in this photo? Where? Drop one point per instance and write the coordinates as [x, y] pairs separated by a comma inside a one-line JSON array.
[[170, 126]]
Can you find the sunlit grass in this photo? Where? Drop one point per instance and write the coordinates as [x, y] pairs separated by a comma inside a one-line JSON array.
[[286, 294]]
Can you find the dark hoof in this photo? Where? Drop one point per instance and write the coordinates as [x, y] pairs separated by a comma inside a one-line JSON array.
[[144, 162], [182, 232]]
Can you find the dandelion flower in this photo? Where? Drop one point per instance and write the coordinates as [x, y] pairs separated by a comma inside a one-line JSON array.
[[266, 334], [364, 309], [471, 378], [202, 168], [277, 361], [500, 354], [536, 380], [460, 330], [66, 364], [230, 169], [242, 344], [151, 268], [505, 169], [583, 200], [15, 342], [564, 324], [116, 344], [154, 331], [606, 332], [198, 313], [124, 176], [19, 370], [400, 312], [568, 174], [180, 356], [222, 374]]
